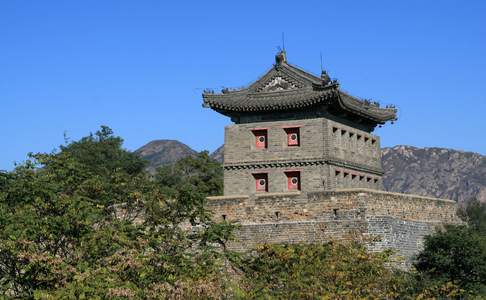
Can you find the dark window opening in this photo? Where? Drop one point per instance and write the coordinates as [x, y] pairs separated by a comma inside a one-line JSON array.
[[338, 173], [224, 217], [261, 182], [293, 180], [334, 129], [293, 136], [335, 212], [261, 138]]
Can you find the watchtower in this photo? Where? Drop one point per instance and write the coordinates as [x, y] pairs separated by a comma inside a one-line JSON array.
[[294, 131]]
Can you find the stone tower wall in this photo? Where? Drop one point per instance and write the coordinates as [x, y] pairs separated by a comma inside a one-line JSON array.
[[331, 155], [352, 145], [240, 147]]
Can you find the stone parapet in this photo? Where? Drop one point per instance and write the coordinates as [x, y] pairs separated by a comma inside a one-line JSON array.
[[395, 221]]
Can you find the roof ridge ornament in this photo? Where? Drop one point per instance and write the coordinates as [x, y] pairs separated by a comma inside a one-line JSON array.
[[326, 80], [281, 57]]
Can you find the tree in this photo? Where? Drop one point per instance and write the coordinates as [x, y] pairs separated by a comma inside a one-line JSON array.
[[474, 214], [334, 270], [87, 221], [456, 254], [190, 181], [200, 173]]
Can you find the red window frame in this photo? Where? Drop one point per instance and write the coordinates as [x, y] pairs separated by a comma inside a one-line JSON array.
[[261, 138], [293, 136], [293, 180], [261, 182]]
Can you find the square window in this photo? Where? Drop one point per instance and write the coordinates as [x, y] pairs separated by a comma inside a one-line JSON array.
[[293, 180], [261, 182], [293, 136], [261, 138]]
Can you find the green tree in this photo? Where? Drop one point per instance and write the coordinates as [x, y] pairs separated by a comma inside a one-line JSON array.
[[474, 214], [199, 173], [455, 256], [88, 222]]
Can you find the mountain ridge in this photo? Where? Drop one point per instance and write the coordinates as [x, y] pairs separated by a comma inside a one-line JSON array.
[[433, 171], [163, 152]]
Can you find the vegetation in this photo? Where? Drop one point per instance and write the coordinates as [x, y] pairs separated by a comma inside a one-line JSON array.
[[88, 222], [322, 271], [199, 175], [456, 255]]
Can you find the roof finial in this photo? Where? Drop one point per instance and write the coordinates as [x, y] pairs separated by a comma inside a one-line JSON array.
[[283, 41], [321, 62], [281, 56], [324, 76]]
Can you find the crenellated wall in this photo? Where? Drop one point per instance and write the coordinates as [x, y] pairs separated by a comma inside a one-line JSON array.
[[398, 221]]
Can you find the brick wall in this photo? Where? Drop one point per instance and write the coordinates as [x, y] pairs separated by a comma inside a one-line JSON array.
[[239, 142], [331, 155], [399, 221], [352, 145]]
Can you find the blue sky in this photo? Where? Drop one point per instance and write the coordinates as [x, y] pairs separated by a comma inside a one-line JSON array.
[[140, 66]]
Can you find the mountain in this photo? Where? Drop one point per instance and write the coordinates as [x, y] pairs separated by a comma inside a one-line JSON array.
[[164, 152], [217, 155], [433, 172]]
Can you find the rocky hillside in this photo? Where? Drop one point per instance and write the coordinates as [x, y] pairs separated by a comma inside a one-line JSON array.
[[434, 172], [164, 152], [218, 154]]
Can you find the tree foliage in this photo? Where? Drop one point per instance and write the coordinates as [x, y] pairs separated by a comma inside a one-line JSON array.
[[199, 173], [334, 270], [88, 222], [474, 214], [455, 256]]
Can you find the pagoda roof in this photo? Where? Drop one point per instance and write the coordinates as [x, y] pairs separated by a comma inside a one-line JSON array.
[[287, 87]]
